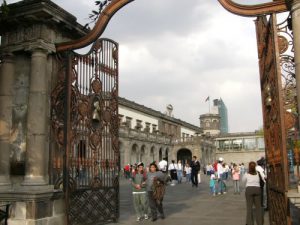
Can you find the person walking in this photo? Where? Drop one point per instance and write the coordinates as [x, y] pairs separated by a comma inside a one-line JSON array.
[[253, 195], [188, 171], [260, 168], [220, 177], [127, 171], [179, 171], [212, 184], [173, 172], [195, 166], [140, 200], [242, 169], [163, 165], [155, 179], [236, 178]]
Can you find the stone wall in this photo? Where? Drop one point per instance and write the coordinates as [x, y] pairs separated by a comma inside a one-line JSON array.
[[28, 73], [240, 156]]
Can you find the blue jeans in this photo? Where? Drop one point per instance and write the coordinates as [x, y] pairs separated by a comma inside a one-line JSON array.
[[188, 178], [179, 176], [221, 184], [236, 185], [212, 189]]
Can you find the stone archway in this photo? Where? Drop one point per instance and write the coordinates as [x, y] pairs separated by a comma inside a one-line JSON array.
[[167, 154], [134, 157], [142, 154], [185, 155], [152, 154], [160, 154]]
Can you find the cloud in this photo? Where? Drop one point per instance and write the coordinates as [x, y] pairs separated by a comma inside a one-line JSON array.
[[179, 52]]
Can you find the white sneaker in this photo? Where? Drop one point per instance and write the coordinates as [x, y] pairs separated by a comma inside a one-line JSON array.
[[224, 192], [138, 219], [146, 217]]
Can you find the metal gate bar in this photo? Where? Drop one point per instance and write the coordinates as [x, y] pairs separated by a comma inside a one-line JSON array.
[[274, 119], [90, 122]]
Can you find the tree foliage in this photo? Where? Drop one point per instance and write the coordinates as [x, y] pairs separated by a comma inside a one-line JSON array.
[[4, 9], [94, 15]]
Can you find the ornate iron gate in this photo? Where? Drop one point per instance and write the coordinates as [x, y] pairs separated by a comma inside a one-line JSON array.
[[85, 126], [274, 118]]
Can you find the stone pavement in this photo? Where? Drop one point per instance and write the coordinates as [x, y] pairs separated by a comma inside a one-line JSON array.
[[185, 205]]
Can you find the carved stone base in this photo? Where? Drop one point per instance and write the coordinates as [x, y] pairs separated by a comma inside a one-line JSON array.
[[34, 181], [33, 208], [5, 183]]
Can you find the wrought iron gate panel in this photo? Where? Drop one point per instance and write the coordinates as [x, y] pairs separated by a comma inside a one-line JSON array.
[[274, 119], [91, 163]]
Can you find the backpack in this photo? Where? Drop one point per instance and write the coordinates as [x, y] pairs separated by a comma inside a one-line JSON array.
[[159, 189], [261, 181]]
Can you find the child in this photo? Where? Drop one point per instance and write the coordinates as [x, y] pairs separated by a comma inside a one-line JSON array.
[[188, 171], [212, 184], [236, 179], [139, 192]]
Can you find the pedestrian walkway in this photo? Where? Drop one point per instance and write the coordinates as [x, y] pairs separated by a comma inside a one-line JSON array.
[[186, 205]]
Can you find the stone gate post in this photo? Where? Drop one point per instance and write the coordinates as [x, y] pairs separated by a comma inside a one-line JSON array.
[[29, 71], [6, 87], [37, 132]]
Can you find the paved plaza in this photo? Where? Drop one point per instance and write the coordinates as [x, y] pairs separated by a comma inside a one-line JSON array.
[[185, 205]]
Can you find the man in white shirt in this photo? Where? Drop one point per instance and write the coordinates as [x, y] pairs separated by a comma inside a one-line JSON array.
[[260, 169], [163, 165], [173, 172], [221, 173]]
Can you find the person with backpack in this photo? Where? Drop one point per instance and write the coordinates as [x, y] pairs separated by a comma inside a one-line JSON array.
[[140, 200], [253, 195], [195, 166], [155, 185]]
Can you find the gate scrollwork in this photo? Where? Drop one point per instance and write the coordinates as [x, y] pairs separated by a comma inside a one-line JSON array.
[[270, 45], [92, 153]]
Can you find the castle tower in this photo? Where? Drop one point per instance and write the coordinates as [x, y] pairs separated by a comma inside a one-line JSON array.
[[210, 123]]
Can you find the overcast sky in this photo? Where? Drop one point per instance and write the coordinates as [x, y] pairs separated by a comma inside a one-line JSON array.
[[181, 51]]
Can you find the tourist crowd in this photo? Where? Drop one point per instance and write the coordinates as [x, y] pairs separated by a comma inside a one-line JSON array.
[[149, 183]]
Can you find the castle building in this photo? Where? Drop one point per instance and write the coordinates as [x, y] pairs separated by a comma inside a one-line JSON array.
[[241, 147], [148, 135]]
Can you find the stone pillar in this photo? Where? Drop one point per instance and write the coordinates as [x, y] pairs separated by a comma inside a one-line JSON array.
[[36, 173], [296, 31], [6, 96]]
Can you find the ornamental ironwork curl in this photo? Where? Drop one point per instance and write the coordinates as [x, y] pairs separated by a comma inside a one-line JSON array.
[[273, 114], [287, 64]]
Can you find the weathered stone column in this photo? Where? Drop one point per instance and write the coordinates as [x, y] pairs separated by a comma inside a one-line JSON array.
[[6, 96], [296, 32], [37, 134]]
